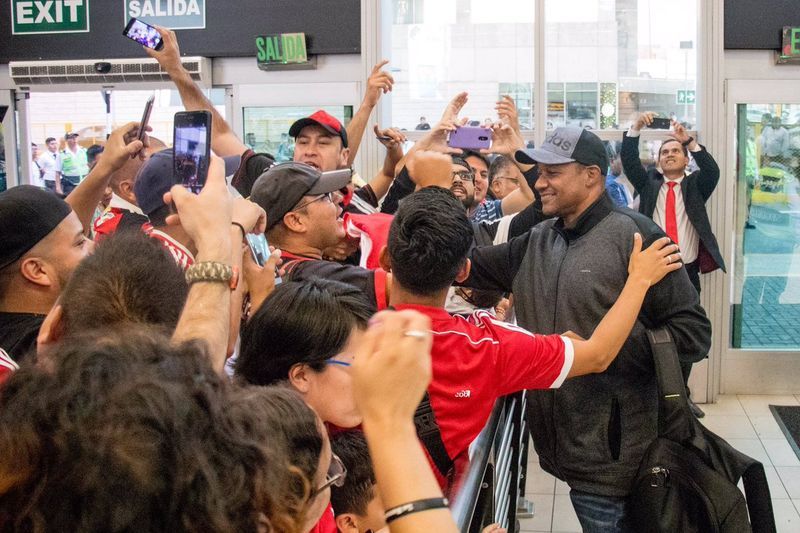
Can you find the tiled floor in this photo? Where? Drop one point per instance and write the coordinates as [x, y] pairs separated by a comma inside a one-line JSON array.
[[745, 421]]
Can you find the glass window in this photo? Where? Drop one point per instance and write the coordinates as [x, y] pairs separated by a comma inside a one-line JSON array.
[[3, 178], [615, 58], [766, 297], [266, 129], [440, 48]]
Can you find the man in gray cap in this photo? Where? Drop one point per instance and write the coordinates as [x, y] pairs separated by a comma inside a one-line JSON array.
[[565, 274]]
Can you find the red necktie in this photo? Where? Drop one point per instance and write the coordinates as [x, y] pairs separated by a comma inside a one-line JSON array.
[[671, 219]]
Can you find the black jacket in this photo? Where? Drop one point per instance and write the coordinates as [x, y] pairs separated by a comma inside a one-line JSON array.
[[593, 431], [696, 189]]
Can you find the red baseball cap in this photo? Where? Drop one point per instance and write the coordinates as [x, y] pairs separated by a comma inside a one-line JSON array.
[[321, 118]]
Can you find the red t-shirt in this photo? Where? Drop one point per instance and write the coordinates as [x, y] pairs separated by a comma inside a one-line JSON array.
[[326, 524], [476, 361]]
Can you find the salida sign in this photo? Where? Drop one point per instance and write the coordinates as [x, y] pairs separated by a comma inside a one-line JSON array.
[[283, 48], [30, 17], [173, 14]]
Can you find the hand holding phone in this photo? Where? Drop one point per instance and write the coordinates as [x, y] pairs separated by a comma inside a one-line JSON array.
[[192, 149], [470, 138], [143, 33], [148, 109]]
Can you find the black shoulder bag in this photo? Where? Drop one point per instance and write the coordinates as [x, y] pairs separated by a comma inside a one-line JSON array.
[[687, 480]]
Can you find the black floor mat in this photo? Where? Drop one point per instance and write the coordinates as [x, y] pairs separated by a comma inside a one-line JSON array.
[[788, 417]]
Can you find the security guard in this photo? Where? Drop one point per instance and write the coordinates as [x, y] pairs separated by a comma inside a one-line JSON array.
[[74, 163]]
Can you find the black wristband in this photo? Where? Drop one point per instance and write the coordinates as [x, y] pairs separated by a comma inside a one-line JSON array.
[[415, 507], [244, 233], [688, 141]]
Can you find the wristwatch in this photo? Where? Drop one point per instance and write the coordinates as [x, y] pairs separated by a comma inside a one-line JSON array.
[[213, 272], [688, 141]]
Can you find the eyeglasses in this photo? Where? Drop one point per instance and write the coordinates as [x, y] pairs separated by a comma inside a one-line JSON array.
[[337, 473], [514, 181], [325, 196], [464, 175], [338, 363]]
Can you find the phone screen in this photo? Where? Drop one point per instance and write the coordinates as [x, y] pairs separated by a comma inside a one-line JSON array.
[[143, 33], [259, 249], [192, 149], [660, 123]]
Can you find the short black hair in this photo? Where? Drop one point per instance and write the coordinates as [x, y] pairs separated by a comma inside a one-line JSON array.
[[429, 239], [130, 279], [473, 153], [93, 151], [499, 163], [47, 141], [359, 484], [300, 322]]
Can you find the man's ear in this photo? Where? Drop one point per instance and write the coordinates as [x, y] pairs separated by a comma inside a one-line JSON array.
[[299, 377], [346, 523], [384, 260], [344, 158], [463, 272], [51, 332], [35, 270], [294, 222]]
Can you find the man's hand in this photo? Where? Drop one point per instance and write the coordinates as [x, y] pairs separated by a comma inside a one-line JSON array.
[[122, 145], [643, 120], [507, 111], [429, 169], [392, 367], [206, 217], [505, 140], [379, 82], [391, 138], [346, 247], [169, 57], [250, 215], [260, 280], [680, 134]]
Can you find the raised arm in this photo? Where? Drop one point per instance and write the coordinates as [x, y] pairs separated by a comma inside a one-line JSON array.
[[506, 141], [122, 145], [391, 371], [379, 82], [224, 142], [629, 154], [709, 170], [393, 140]]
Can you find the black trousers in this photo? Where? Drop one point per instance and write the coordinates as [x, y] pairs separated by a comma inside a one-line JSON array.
[[693, 269]]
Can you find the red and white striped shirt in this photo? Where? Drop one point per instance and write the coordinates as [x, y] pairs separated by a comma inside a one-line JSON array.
[[7, 366], [179, 252]]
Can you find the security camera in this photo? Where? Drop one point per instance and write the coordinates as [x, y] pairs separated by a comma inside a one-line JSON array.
[[102, 67]]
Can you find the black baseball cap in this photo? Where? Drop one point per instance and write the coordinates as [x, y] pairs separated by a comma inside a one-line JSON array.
[[321, 118], [156, 177], [568, 145], [279, 189], [27, 215]]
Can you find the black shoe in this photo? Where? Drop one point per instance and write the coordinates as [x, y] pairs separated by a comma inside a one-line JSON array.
[[696, 411]]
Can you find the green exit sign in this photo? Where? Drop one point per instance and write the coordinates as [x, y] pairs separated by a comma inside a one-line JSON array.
[[686, 97], [281, 49], [30, 17], [791, 42]]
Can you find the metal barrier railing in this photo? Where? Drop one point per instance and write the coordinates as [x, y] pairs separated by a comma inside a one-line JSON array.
[[492, 490]]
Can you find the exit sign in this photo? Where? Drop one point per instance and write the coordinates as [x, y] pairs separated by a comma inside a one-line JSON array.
[[791, 42], [30, 17], [686, 97], [281, 49]]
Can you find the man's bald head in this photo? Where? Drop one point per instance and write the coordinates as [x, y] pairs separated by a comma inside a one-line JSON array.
[[122, 180]]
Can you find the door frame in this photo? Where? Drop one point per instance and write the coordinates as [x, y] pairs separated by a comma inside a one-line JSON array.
[[745, 371]]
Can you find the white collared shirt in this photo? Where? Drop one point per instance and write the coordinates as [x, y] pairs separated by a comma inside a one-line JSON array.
[[688, 239], [50, 162]]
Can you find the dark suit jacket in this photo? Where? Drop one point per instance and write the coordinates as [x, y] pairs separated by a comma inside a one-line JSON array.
[[696, 189]]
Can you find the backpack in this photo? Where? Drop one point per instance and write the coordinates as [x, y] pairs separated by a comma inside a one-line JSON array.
[[687, 480]]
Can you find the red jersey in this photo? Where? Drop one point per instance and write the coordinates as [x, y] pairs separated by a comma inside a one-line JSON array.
[[7, 366], [179, 252], [326, 524], [476, 361]]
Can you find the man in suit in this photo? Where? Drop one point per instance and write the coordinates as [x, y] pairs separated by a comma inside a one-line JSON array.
[[676, 200]]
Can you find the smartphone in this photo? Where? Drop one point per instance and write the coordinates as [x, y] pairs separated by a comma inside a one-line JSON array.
[[191, 149], [660, 124], [259, 249], [148, 108], [144, 34], [470, 138]]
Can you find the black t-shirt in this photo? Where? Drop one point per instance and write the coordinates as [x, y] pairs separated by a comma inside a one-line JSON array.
[[18, 332]]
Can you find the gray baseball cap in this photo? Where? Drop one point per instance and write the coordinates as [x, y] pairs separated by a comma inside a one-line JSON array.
[[568, 145]]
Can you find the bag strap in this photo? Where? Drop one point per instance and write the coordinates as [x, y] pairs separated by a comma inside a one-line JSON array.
[[674, 416], [431, 437], [759, 504]]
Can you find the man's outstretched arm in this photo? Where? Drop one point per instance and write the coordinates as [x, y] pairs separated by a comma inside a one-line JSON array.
[[224, 142]]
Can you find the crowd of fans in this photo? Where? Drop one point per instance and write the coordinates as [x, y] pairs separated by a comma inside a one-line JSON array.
[[156, 378]]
